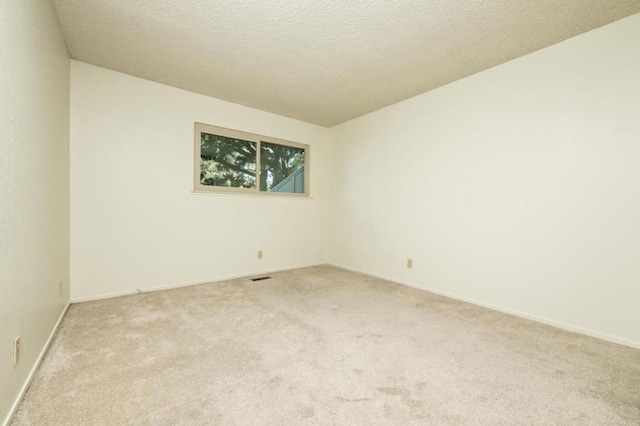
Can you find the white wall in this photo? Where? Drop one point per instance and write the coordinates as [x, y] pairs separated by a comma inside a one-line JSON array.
[[135, 223], [518, 187], [34, 186]]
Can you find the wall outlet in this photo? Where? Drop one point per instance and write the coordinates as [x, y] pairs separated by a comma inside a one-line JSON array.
[[259, 254], [409, 263], [61, 288], [16, 351]]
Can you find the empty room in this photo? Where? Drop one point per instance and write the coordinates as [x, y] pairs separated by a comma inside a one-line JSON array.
[[225, 212]]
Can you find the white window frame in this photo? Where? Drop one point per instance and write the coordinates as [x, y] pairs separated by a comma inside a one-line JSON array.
[[199, 128]]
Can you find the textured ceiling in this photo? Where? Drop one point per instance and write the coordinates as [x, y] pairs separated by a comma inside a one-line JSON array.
[[321, 61]]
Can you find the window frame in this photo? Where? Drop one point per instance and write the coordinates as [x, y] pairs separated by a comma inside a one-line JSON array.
[[200, 128]]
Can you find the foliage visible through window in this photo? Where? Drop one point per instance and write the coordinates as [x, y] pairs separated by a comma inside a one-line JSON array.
[[279, 167], [235, 161], [227, 162]]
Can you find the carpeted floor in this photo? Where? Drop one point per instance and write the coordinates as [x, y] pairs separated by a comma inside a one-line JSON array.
[[323, 346]]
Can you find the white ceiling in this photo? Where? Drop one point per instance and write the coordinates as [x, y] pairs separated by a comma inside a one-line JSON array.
[[321, 61]]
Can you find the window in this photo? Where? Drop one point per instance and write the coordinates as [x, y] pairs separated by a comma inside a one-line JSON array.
[[232, 161]]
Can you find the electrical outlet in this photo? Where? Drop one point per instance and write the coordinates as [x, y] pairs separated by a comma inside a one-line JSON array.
[[16, 351], [409, 263], [61, 288], [259, 254]]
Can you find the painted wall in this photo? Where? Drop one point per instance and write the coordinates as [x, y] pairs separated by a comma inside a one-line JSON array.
[[135, 224], [34, 186], [518, 187]]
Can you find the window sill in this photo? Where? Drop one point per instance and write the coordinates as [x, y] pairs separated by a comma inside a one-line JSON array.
[[256, 195]]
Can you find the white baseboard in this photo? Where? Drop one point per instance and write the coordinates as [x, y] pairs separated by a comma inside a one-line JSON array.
[[190, 283], [547, 321], [27, 382]]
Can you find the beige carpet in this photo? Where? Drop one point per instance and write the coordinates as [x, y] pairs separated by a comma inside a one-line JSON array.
[[322, 346]]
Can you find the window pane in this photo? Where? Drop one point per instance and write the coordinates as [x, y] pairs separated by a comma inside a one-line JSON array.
[[281, 168], [227, 161]]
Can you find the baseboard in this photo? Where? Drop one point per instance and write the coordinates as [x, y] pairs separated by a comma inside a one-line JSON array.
[[27, 382], [190, 283], [547, 321], [104, 296]]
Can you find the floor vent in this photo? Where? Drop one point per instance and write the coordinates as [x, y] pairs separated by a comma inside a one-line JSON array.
[[260, 278]]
